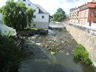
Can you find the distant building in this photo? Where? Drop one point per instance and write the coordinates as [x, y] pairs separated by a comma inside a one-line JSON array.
[[41, 16], [74, 12], [84, 15]]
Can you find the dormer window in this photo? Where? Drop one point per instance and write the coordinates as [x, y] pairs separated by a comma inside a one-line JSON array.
[[24, 0]]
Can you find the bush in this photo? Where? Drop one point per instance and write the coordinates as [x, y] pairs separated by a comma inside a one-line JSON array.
[[81, 54], [7, 33], [31, 29], [10, 55]]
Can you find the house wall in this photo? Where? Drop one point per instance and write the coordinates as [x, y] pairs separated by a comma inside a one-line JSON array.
[[41, 23], [38, 21], [83, 16], [92, 18], [0, 17], [74, 16]]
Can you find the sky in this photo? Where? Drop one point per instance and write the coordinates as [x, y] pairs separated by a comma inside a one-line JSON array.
[[52, 5]]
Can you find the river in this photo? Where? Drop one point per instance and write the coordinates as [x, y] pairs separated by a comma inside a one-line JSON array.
[[42, 60]]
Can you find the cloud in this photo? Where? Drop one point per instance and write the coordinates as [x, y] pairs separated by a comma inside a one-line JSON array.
[[52, 5]]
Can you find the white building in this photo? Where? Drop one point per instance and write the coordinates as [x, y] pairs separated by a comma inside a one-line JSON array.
[[41, 16], [0, 17]]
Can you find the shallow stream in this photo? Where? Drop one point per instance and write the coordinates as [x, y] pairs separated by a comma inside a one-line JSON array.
[[43, 61]]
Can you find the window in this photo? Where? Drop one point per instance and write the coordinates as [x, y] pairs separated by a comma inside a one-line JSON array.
[[29, 4], [42, 17], [91, 14], [94, 21], [34, 16], [95, 6], [94, 13], [24, 0]]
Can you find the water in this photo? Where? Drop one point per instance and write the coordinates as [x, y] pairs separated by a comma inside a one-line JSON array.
[[42, 61]]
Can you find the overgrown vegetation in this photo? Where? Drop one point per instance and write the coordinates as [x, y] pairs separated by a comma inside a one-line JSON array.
[[29, 14], [7, 33], [16, 15], [81, 54], [31, 29], [10, 54]]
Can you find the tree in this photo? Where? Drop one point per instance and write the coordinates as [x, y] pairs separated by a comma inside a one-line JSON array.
[[29, 13], [60, 10], [59, 15], [14, 15]]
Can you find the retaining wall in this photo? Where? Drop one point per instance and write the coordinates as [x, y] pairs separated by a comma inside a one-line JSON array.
[[86, 39]]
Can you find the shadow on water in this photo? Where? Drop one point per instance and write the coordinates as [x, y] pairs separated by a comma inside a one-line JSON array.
[[42, 61]]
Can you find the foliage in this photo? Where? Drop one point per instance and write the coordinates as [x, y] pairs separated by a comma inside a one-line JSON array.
[[10, 55], [7, 33], [29, 13], [15, 15], [60, 10], [31, 28], [59, 15], [53, 52], [81, 54]]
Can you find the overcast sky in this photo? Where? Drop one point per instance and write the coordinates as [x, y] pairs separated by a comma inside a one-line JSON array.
[[52, 5]]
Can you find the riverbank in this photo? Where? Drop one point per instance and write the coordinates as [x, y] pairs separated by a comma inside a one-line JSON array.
[[43, 61], [86, 39]]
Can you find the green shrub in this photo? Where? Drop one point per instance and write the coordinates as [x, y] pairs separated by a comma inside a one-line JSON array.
[[7, 33], [10, 55], [31, 28], [81, 54]]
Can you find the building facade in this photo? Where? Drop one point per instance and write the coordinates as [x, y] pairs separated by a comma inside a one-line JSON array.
[[41, 16], [86, 14], [74, 15], [0, 17]]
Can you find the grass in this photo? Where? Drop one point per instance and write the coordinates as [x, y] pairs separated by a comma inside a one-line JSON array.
[[82, 55]]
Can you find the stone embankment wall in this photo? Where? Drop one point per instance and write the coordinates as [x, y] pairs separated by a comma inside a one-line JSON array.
[[86, 39]]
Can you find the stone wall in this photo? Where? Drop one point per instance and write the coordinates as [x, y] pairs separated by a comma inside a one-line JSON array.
[[86, 39]]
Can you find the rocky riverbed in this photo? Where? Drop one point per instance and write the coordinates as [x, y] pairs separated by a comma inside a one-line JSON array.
[[40, 58]]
